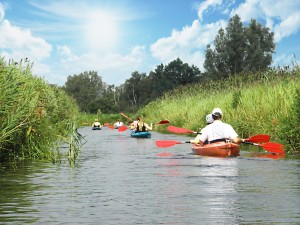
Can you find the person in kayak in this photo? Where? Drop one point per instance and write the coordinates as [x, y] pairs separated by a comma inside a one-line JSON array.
[[209, 120], [219, 131], [134, 124], [141, 126], [96, 123], [118, 124]]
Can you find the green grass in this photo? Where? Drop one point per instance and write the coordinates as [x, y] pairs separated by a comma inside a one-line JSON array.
[[35, 117], [252, 103]]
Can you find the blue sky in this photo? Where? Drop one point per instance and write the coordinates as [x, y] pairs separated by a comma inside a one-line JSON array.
[[118, 37]]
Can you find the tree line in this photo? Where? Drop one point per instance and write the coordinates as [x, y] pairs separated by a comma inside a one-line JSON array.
[[235, 50]]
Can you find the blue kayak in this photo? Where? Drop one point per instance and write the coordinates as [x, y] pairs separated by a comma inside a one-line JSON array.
[[141, 134]]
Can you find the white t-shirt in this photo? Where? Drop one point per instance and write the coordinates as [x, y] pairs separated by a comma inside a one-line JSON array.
[[218, 130]]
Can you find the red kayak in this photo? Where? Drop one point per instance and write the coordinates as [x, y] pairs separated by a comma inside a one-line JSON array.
[[218, 149]]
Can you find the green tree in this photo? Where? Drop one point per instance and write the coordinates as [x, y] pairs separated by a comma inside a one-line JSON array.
[[239, 49], [85, 88]]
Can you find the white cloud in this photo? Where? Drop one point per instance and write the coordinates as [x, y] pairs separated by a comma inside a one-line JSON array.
[[281, 16], [187, 44], [2, 12], [205, 5], [113, 68], [20, 43]]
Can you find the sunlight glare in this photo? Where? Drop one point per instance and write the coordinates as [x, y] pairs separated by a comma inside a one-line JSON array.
[[101, 31]]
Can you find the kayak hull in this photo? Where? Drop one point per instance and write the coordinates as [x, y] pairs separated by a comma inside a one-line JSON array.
[[140, 134], [218, 149], [96, 128]]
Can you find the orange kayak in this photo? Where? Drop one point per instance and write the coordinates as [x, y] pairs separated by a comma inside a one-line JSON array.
[[218, 149]]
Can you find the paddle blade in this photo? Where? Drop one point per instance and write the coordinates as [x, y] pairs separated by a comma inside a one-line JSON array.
[[166, 143], [163, 122], [122, 128], [164, 154], [179, 130], [273, 147], [259, 138], [111, 127]]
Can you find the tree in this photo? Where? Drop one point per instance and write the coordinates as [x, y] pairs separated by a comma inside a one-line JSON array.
[[84, 88], [260, 47], [239, 49]]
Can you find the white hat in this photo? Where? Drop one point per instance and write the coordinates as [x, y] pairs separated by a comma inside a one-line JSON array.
[[209, 118], [217, 110]]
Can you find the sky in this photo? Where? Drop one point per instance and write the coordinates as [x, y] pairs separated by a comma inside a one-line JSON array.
[[118, 37]]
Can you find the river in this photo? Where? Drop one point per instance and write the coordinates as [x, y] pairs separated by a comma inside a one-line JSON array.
[[122, 180]]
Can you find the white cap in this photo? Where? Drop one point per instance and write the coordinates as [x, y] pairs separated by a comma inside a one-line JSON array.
[[209, 118], [217, 110]]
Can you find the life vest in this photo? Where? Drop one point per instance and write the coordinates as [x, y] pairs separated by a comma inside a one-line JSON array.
[[138, 128]]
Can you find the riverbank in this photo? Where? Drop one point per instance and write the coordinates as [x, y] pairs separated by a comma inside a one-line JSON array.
[[260, 103]]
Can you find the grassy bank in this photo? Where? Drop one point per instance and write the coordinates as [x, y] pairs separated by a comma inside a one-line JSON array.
[[251, 103], [35, 117]]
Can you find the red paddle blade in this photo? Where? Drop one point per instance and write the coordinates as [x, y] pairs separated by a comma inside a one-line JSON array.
[[164, 154], [273, 147], [122, 128], [179, 130], [166, 143], [163, 122], [111, 127], [259, 138]]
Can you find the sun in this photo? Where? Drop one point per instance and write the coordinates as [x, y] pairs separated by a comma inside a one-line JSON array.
[[101, 31]]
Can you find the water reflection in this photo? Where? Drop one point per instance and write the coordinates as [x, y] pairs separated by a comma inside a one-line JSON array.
[[122, 180]]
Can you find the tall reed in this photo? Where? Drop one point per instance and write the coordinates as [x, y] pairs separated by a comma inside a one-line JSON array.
[[34, 116], [251, 103]]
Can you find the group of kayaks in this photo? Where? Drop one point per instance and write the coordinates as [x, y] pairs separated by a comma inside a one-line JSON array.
[[217, 149]]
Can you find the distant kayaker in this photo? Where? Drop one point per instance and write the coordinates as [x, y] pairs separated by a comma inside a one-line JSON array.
[[141, 126], [96, 123], [209, 120], [118, 124], [134, 124], [219, 131]]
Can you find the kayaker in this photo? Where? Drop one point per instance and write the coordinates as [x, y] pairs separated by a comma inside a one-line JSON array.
[[209, 120], [219, 131], [118, 123], [96, 123], [133, 124], [141, 126]]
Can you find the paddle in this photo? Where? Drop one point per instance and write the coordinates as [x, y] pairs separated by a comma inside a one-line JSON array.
[[163, 122], [130, 120], [259, 138], [169, 143], [272, 147], [123, 128], [179, 130]]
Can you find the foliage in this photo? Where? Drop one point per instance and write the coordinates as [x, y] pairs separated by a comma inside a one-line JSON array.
[[92, 94], [239, 49], [35, 117], [253, 103]]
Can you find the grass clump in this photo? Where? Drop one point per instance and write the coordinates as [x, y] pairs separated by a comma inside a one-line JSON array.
[[35, 117]]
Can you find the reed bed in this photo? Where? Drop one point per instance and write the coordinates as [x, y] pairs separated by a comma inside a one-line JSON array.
[[35, 117], [251, 103]]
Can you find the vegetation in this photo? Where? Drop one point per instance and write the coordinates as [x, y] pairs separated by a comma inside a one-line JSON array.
[[92, 95], [35, 117], [240, 49], [253, 103]]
